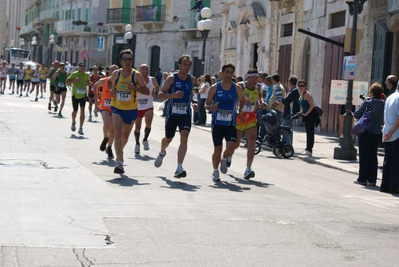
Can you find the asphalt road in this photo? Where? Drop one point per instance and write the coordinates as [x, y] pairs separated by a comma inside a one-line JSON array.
[[62, 205]]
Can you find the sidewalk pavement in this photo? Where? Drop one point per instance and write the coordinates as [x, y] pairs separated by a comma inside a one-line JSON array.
[[323, 150]]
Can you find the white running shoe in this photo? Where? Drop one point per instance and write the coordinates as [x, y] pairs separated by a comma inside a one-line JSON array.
[[80, 132], [137, 149], [215, 176], [146, 146], [180, 173], [223, 166], [158, 160]]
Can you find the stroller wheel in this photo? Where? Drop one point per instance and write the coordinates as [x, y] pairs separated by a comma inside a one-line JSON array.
[[277, 152], [258, 145], [288, 151]]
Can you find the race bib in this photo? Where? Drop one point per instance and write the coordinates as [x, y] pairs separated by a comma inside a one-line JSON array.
[[249, 107], [179, 108], [3, 71], [123, 96], [224, 115], [61, 84], [81, 91], [143, 102], [107, 102]]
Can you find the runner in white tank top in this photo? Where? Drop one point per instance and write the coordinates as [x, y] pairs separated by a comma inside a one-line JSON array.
[[146, 109], [3, 76]]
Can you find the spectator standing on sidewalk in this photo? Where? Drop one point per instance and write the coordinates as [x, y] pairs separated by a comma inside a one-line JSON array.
[[390, 171], [391, 83], [292, 97], [309, 115], [203, 94], [368, 142]]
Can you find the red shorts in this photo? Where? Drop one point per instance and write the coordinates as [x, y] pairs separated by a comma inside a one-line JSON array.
[[3, 78], [142, 112]]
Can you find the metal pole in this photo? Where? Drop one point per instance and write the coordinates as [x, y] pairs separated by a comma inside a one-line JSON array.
[[204, 36], [346, 150]]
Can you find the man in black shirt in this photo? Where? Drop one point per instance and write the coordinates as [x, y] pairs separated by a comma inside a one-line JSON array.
[[292, 97]]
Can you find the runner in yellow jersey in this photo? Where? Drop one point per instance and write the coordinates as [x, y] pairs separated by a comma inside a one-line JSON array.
[[248, 121], [124, 85], [43, 79], [27, 78]]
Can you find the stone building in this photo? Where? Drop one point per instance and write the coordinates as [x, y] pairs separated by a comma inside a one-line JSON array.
[[162, 31]]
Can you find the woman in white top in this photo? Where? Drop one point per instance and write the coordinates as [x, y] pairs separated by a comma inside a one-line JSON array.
[[203, 92]]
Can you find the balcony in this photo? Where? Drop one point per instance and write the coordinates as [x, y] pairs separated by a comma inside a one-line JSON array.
[[49, 15], [65, 27], [27, 30], [117, 16], [150, 16]]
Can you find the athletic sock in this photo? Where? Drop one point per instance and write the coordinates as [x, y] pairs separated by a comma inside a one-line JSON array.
[[137, 137], [146, 133]]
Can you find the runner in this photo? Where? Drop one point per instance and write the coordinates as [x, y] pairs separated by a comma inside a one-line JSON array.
[[79, 80], [35, 81], [124, 85], [43, 79], [248, 122], [12, 77], [59, 81], [27, 78], [103, 104], [3, 76], [20, 78], [146, 109], [178, 89], [50, 74], [95, 77], [224, 96]]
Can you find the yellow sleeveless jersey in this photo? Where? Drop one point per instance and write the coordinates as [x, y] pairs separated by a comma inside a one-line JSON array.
[[124, 99], [28, 74], [252, 96], [43, 74]]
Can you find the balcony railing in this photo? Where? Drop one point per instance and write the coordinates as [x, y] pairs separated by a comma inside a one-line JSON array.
[[120, 15], [49, 14], [150, 13], [65, 26], [27, 28]]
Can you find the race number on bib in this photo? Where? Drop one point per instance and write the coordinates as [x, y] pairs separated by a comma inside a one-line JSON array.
[[179, 108], [81, 91], [107, 102], [143, 102], [123, 96], [61, 84], [249, 107], [224, 115]]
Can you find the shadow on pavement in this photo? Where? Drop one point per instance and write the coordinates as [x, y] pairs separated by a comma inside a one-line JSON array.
[[229, 186], [106, 162], [78, 137], [250, 182], [125, 180], [178, 185], [144, 158]]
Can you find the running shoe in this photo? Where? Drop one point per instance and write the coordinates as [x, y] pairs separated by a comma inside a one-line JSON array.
[[36, 99], [80, 132], [20, 95], [12, 92], [146, 146], [137, 149], [55, 108], [158, 160], [104, 144], [49, 106], [89, 118], [180, 173], [95, 113], [228, 162], [109, 153], [73, 126], [249, 173], [215, 176], [59, 115], [119, 168], [27, 94], [223, 166], [42, 97]]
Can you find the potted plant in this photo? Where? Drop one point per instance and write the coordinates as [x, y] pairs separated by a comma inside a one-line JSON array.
[[87, 29], [84, 23], [100, 23]]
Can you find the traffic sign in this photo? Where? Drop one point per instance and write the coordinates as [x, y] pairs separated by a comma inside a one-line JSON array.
[[84, 54], [339, 90], [59, 49]]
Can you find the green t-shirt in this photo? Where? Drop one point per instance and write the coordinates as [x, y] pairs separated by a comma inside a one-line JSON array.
[[61, 78], [79, 89], [52, 71]]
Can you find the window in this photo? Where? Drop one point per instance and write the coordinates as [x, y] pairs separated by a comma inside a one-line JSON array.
[[337, 19], [287, 29], [79, 11]]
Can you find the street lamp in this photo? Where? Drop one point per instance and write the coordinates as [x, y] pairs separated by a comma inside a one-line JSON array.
[[346, 150], [4, 50], [22, 43], [128, 36], [204, 26], [51, 42], [34, 43]]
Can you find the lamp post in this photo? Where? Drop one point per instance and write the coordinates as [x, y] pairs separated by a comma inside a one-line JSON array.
[[22, 43], [128, 37], [51, 42], [204, 26], [346, 150], [34, 43], [4, 50]]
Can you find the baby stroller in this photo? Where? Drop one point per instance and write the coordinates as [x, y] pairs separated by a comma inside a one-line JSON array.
[[275, 129]]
